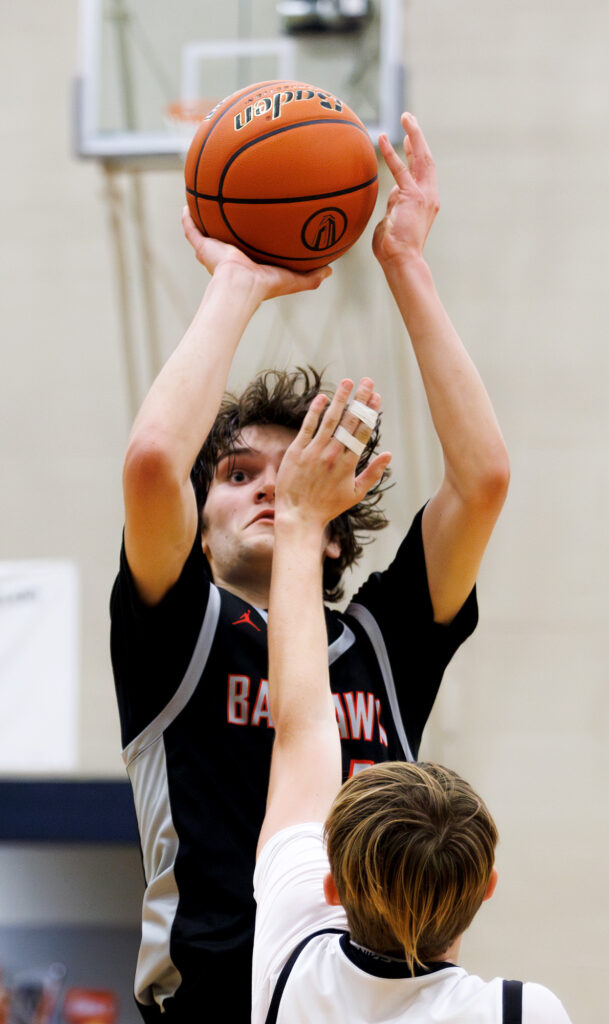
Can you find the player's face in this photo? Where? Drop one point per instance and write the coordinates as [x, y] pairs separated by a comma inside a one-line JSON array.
[[238, 517]]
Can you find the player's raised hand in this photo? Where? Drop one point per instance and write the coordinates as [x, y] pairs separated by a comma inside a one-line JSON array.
[[269, 281], [413, 202], [318, 479]]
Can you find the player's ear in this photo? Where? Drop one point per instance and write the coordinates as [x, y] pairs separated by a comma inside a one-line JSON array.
[[204, 540], [333, 548], [330, 891], [492, 884]]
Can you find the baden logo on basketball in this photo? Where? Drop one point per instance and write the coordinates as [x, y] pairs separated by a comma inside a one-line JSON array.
[[324, 229], [274, 103]]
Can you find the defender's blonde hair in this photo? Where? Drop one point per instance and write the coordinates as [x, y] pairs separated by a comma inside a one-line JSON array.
[[411, 850]]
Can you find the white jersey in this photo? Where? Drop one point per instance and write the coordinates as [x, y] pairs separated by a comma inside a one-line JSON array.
[[333, 980]]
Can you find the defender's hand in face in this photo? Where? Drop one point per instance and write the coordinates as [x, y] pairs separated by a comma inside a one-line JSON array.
[[268, 281], [413, 202], [317, 479]]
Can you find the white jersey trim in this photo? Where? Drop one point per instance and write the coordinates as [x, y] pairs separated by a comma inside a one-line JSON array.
[[188, 685], [371, 626], [155, 969], [146, 766], [342, 643]]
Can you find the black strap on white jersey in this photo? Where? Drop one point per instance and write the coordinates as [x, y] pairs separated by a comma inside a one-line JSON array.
[[271, 1016], [512, 1002]]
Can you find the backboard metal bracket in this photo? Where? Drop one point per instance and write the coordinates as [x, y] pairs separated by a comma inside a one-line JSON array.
[[133, 148]]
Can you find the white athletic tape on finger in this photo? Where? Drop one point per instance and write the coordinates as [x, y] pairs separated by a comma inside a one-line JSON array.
[[349, 440], [363, 413]]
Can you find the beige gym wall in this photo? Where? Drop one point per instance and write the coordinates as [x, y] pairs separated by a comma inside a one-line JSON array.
[[514, 100]]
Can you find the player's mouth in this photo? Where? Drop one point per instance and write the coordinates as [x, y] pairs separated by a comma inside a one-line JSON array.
[[265, 516]]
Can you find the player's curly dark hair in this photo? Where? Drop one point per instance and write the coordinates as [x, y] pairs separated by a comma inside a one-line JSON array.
[[281, 398]]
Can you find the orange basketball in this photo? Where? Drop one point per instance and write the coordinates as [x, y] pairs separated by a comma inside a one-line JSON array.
[[285, 171]]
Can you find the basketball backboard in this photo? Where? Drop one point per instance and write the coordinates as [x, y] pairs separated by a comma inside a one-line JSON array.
[[138, 57]]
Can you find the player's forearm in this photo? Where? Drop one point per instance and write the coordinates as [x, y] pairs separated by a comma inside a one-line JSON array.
[[464, 419], [298, 654], [183, 401]]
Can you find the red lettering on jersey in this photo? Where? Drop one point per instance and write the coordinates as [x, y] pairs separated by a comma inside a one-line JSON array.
[[261, 707], [237, 705], [356, 713], [358, 766], [341, 718], [382, 733], [361, 714]]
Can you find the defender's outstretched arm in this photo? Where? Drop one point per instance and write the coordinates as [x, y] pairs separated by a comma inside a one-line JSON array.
[[315, 484]]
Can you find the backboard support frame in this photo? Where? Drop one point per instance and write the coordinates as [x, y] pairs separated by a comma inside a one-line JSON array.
[[125, 156], [132, 148]]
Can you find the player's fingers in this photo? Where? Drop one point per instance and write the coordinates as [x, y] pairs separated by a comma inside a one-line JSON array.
[[282, 281], [186, 218], [408, 153], [360, 415], [392, 198], [334, 411], [311, 420], [194, 235], [190, 229], [397, 167], [371, 475], [420, 160], [209, 251], [315, 277]]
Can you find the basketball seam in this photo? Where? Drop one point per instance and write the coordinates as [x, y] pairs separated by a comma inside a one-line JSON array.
[[331, 253], [236, 99], [224, 200], [279, 131]]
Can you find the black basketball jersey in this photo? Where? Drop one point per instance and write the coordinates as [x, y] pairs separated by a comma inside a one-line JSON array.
[[192, 689]]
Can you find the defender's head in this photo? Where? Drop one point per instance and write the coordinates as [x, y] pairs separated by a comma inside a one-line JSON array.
[[411, 850]]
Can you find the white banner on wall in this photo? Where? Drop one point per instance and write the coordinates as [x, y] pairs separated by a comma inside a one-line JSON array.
[[39, 660]]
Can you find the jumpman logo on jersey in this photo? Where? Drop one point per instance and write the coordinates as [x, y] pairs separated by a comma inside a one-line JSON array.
[[245, 619]]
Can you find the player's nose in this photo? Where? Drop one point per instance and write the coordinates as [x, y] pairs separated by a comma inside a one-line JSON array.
[[266, 485]]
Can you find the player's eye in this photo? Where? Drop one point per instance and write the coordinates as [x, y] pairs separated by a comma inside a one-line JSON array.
[[237, 476]]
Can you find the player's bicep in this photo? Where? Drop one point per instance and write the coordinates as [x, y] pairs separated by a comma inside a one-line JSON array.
[[160, 525], [455, 537]]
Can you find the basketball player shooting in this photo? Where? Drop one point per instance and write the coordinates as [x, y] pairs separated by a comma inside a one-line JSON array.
[[189, 629], [370, 931]]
